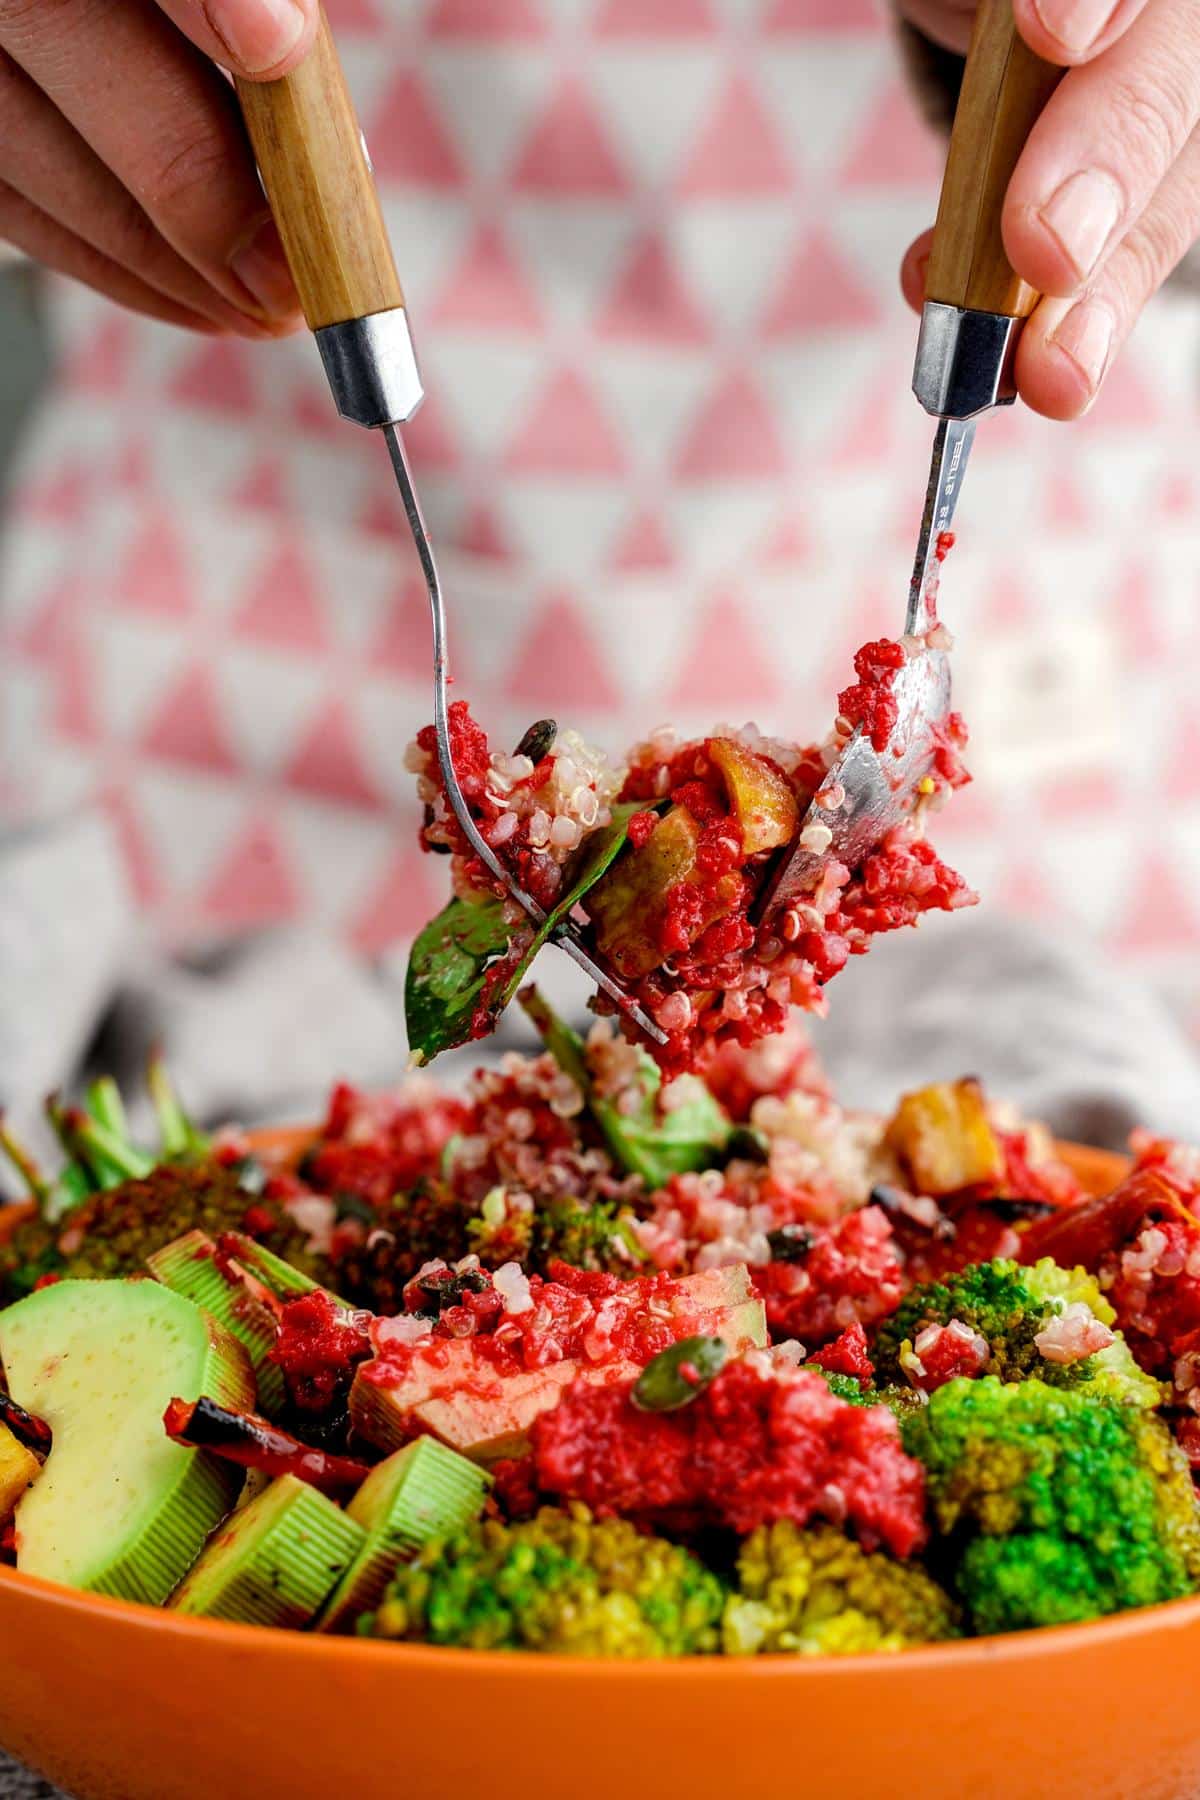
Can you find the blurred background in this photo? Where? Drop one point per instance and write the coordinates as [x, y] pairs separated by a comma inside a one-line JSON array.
[[674, 469]]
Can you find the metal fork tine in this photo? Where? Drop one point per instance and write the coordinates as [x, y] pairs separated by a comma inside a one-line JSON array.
[[564, 936]]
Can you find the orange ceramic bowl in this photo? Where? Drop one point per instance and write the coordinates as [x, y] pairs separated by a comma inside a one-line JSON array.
[[120, 1702]]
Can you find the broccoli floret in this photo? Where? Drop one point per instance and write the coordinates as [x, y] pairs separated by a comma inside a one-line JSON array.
[[818, 1593], [112, 1233], [588, 1234], [1009, 1307], [1055, 1505], [562, 1582]]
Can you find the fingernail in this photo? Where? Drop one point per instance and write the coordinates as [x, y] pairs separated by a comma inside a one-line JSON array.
[[261, 267], [1082, 215], [1076, 24], [258, 34], [1086, 335]]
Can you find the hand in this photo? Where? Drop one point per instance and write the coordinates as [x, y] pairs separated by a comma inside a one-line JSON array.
[[1106, 197], [123, 160]]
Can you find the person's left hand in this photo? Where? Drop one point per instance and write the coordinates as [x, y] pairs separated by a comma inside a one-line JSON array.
[[1105, 200]]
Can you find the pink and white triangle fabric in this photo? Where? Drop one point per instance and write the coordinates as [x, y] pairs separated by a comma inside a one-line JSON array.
[[668, 457]]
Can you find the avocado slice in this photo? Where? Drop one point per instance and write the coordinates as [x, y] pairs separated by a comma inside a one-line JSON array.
[[190, 1266], [19, 1469], [422, 1492], [118, 1508], [274, 1561]]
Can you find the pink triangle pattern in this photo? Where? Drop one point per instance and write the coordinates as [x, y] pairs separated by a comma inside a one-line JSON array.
[[1137, 617], [135, 847], [60, 498], [733, 437], [404, 645], [187, 726], [488, 292], [404, 901], [1025, 893], [566, 434], [1096, 791], [1181, 777], [787, 16], [132, 468], [282, 607], [654, 19], [408, 141], [482, 536], [643, 545], [1161, 914], [430, 441], [895, 149], [649, 303], [255, 883], [43, 636], [154, 578], [818, 292], [568, 152], [484, 21], [788, 543], [739, 153], [328, 762], [1065, 509], [314, 413], [726, 665], [559, 662], [101, 366], [263, 489], [74, 715], [354, 15], [1007, 606], [216, 379]]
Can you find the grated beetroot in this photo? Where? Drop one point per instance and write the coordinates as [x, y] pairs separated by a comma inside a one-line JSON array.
[[318, 1348], [847, 1355], [756, 1446], [846, 1273], [869, 703]]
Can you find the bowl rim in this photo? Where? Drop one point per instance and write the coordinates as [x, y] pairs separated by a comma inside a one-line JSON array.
[[77, 1607]]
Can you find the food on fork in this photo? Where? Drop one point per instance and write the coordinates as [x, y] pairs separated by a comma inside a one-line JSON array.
[[664, 868]]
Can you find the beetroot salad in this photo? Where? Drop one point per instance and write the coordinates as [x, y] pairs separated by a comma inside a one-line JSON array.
[[590, 1362]]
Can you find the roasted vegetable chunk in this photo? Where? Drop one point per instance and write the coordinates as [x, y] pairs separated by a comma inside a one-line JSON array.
[[942, 1135], [632, 907], [761, 798]]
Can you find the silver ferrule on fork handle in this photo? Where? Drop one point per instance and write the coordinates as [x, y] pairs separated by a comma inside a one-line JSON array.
[[372, 368], [964, 360]]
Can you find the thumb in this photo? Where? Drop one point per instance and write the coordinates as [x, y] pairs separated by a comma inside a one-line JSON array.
[[261, 39]]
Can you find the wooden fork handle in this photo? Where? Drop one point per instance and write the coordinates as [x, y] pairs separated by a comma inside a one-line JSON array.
[[1005, 87], [317, 175]]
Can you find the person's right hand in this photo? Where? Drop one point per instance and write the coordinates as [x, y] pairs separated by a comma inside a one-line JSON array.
[[123, 160]]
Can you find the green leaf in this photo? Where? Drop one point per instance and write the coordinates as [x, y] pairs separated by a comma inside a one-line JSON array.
[[447, 970], [600, 851], [647, 1141], [451, 959]]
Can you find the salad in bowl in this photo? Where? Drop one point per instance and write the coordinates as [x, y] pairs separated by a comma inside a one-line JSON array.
[[587, 1363]]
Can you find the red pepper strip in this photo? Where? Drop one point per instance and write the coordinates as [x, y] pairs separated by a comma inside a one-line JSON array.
[[1086, 1234], [250, 1441], [35, 1434]]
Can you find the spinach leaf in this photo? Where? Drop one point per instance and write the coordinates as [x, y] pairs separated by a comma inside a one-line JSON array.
[[647, 1141], [447, 969]]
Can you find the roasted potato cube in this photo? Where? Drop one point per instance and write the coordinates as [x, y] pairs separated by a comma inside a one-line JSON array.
[[759, 795], [942, 1136], [629, 906], [19, 1469]]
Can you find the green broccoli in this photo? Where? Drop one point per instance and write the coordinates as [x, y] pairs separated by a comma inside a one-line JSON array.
[[588, 1234], [1010, 1306], [561, 1582], [1054, 1504], [818, 1593]]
